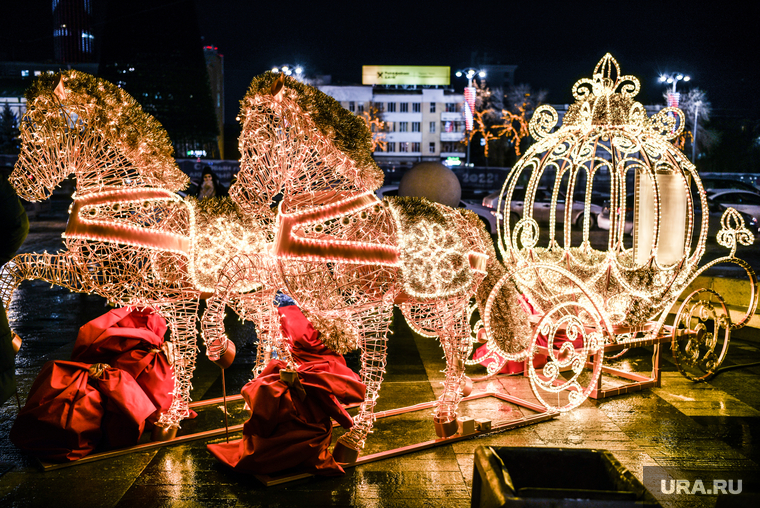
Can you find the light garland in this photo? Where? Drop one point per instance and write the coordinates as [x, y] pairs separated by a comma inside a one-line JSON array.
[[606, 131], [341, 254], [129, 238]]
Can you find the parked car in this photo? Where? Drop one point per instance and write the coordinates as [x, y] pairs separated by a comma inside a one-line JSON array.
[[744, 201], [484, 213], [715, 208], [542, 206], [714, 184]]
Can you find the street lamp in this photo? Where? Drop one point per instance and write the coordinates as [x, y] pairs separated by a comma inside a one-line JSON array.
[[290, 70], [469, 99], [673, 79]]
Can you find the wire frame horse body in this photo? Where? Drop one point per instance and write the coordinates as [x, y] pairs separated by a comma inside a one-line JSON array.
[[129, 238], [346, 257]]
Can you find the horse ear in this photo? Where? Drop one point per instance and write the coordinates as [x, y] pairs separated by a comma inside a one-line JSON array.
[[59, 90], [277, 86]]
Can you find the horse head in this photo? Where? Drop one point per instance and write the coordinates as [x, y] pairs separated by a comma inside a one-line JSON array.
[[299, 142], [76, 123]]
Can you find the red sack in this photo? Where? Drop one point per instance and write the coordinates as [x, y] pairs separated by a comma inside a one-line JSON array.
[[61, 420], [131, 340], [290, 426], [153, 373], [117, 331], [303, 338]]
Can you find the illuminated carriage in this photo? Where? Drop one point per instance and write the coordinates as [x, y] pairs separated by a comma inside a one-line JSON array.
[[585, 301]]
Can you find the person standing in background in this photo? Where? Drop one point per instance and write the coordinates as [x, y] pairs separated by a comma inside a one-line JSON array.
[[14, 226], [210, 186]]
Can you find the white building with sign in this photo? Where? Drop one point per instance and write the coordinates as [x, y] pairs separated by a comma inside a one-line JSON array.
[[421, 124]]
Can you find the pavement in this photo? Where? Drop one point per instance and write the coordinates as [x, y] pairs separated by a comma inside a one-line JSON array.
[[686, 430]]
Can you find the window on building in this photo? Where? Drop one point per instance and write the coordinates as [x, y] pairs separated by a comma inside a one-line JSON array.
[[390, 126], [451, 146], [432, 127], [360, 108], [432, 107], [403, 107], [416, 127], [352, 106], [391, 146], [451, 107], [403, 126], [416, 107], [459, 126], [415, 146], [25, 73], [403, 146], [447, 126], [431, 148], [378, 106], [391, 107]]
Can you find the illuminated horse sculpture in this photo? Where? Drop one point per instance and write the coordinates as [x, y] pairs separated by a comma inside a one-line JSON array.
[[129, 238], [345, 256]]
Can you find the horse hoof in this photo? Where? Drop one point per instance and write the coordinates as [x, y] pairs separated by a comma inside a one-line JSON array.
[[445, 429], [466, 386], [162, 433], [345, 455], [228, 357]]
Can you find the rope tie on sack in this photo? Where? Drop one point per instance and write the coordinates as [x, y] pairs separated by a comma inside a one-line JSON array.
[[97, 369]]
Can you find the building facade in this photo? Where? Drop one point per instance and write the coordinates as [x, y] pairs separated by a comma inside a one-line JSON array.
[[421, 124]]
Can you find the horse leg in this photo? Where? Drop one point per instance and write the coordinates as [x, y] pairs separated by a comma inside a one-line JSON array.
[[454, 339], [257, 307], [181, 312], [58, 269], [373, 324]]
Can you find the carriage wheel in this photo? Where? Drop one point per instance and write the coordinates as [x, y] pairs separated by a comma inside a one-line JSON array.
[[571, 336], [701, 335]]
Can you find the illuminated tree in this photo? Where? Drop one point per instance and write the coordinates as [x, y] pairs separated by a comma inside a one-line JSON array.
[[376, 125]]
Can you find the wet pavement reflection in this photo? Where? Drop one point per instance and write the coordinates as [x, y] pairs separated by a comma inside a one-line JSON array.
[[681, 427]]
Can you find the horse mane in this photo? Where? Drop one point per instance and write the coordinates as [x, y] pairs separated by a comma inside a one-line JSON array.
[[139, 137], [347, 132]]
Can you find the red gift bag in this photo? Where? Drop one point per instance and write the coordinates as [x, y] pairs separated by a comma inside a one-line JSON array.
[[117, 331], [61, 420], [131, 340], [153, 373], [290, 426]]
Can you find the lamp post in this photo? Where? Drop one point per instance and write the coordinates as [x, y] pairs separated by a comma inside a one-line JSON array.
[[673, 79], [290, 70], [469, 100]]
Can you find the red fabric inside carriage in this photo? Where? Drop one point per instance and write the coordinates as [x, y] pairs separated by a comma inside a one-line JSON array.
[[486, 357], [131, 340], [72, 408], [290, 428]]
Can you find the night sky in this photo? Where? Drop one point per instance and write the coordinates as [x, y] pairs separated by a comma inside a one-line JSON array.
[[552, 43]]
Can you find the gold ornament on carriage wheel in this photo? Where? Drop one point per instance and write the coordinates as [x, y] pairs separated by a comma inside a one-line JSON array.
[[608, 148]]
